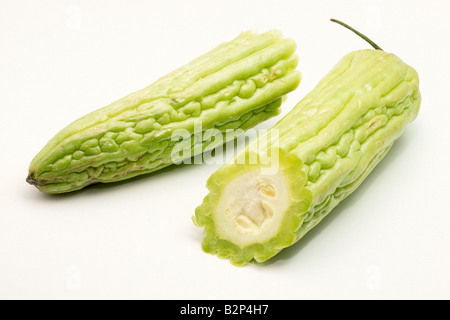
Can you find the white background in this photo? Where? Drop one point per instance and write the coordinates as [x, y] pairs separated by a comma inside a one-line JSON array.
[[61, 59]]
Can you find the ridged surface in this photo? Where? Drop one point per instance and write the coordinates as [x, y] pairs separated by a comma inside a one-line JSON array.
[[338, 133], [236, 85]]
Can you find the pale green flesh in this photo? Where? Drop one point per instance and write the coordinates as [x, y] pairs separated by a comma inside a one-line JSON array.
[[236, 85], [336, 135]]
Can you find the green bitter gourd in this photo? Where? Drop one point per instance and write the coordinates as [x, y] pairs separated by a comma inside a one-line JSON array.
[[326, 146], [236, 85]]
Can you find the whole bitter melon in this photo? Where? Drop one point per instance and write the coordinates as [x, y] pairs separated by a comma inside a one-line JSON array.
[[236, 85], [327, 145]]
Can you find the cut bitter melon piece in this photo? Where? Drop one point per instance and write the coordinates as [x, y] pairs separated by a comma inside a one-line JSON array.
[[326, 146], [250, 213], [234, 86]]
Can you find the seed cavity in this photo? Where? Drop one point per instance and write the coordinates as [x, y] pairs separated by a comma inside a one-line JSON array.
[[244, 224], [255, 208], [268, 190], [267, 208]]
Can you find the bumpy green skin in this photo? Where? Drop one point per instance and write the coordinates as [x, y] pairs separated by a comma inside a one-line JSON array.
[[236, 85], [334, 137]]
